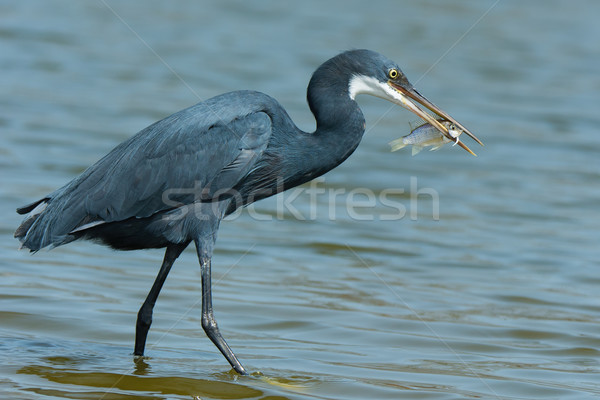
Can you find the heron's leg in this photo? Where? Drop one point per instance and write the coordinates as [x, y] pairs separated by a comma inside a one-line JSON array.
[[209, 324], [144, 318]]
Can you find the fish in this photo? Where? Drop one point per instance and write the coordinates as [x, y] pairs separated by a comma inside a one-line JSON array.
[[427, 135]]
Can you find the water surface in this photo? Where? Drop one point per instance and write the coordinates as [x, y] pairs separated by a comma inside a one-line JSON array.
[[330, 293]]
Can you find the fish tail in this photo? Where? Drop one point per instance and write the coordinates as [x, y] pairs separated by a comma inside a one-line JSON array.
[[397, 144]]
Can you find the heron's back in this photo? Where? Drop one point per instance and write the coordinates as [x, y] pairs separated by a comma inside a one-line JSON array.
[[218, 140]]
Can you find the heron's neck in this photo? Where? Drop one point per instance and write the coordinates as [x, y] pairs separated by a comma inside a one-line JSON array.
[[339, 133], [340, 127], [340, 122]]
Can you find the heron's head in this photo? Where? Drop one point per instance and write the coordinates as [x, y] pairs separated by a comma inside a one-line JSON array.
[[369, 72]]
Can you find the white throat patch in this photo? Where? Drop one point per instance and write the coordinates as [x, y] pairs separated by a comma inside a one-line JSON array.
[[361, 84]]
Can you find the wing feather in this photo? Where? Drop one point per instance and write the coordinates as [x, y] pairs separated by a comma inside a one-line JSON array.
[[210, 146]]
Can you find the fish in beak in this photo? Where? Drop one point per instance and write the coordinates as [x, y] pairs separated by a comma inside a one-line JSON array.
[[407, 97]]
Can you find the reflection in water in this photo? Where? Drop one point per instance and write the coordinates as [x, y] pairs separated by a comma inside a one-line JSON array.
[[74, 373], [141, 366], [121, 384]]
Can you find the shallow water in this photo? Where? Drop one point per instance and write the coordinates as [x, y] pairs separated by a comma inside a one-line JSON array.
[[440, 276]]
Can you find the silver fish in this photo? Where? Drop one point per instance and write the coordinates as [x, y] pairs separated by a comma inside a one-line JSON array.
[[427, 135]]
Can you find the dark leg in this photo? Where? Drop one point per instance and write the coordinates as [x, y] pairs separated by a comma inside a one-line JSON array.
[[209, 324], [144, 318]]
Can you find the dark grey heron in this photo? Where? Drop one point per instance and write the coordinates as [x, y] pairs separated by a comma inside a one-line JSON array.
[[174, 181]]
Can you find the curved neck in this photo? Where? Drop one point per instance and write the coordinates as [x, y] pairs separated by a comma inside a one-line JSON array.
[[339, 130], [340, 122], [340, 127]]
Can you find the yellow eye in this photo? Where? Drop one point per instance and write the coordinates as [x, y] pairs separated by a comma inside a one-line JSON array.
[[393, 73]]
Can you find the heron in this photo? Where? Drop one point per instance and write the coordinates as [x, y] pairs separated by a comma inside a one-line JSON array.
[[173, 182]]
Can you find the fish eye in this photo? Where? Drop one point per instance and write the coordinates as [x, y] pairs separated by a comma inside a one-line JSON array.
[[452, 127], [393, 73]]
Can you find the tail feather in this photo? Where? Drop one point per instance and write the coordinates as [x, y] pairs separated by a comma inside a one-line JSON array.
[[35, 210], [30, 207], [36, 230], [21, 231]]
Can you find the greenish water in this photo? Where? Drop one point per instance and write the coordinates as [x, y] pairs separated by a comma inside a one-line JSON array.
[[487, 287]]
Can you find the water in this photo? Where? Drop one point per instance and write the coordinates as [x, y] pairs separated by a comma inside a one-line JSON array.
[[329, 295]]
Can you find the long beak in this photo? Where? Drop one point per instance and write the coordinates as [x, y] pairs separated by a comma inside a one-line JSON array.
[[405, 100]]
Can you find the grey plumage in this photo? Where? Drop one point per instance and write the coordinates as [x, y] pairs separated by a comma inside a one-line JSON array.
[[205, 146], [174, 181]]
